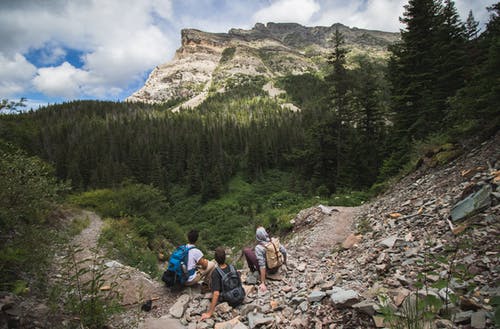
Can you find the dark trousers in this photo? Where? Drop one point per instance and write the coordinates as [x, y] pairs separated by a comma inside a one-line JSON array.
[[253, 263]]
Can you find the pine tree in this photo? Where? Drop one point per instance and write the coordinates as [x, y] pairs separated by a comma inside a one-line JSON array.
[[411, 70], [471, 27], [339, 91]]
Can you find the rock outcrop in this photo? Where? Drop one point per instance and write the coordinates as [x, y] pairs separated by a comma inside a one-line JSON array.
[[212, 60]]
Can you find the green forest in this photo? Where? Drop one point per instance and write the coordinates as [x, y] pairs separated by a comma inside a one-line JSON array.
[[239, 159]]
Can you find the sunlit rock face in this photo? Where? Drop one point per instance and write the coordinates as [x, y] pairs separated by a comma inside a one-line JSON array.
[[209, 61]]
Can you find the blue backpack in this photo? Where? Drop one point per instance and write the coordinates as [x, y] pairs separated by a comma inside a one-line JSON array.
[[177, 267]]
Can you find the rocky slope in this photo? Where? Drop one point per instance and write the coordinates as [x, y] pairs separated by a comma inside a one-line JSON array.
[[215, 60], [434, 235]]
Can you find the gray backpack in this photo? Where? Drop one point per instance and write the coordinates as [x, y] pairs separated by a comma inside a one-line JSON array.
[[231, 290]]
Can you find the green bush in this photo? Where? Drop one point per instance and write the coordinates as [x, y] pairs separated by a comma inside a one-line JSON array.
[[128, 200], [28, 193], [125, 243], [28, 188], [351, 199]]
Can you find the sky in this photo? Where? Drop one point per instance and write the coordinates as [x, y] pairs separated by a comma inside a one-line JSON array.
[[53, 51]]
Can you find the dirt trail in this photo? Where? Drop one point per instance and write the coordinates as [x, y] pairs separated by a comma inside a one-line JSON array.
[[331, 227], [131, 285], [320, 238], [88, 237]]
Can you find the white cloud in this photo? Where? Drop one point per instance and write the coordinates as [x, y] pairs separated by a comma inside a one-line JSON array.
[[120, 39], [371, 14], [295, 11], [16, 73], [63, 80]]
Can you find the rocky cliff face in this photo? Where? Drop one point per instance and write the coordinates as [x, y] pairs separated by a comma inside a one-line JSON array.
[[209, 60]]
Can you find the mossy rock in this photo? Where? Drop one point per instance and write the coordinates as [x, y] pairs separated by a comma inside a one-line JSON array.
[[447, 155]]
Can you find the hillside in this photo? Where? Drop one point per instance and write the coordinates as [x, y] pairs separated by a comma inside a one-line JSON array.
[[399, 240], [213, 61], [343, 261]]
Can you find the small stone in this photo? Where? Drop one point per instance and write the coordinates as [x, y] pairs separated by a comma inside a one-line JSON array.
[[274, 304], [478, 320], [400, 296], [366, 307], [389, 242], [248, 308], [379, 321], [223, 308], [231, 324], [342, 298], [252, 278], [462, 317], [304, 306], [444, 324], [316, 296], [258, 319], [163, 322]]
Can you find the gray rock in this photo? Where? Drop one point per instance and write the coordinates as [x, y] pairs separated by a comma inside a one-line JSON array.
[[297, 300], [343, 298], [316, 296], [389, 242], [304, 306], [258, 319], [177, 310], [252, 278], [366, 307], [444, 324], [462, 317], [445, 293], [163, 322], [245, 309], [478, 320], [223, 308], [472, 204]]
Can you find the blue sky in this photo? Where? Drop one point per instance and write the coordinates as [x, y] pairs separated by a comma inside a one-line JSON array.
[[60, 50]]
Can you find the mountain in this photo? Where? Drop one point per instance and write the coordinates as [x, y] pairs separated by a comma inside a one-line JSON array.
[[213, 61]]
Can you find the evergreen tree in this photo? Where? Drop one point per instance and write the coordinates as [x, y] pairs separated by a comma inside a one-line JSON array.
[[411, 70], [471, 27], [339, 101]]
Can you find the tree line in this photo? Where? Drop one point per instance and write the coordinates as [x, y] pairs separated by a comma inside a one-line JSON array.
[[357, 125]]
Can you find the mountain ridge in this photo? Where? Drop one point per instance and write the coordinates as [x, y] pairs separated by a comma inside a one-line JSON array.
[[207, 61]]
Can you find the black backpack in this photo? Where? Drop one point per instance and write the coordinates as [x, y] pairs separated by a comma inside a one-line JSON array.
[[231, 290]]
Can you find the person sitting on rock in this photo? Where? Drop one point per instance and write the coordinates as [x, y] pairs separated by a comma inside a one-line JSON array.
[[226, 284], [258, 258], [204, 267]]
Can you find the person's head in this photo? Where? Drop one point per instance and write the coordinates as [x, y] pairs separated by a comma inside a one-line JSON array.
[[193, 236], [220, 255], [261, 234]]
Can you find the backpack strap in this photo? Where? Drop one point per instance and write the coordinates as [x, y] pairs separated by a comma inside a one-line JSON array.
[[186, 257], [222, 275], [275, 250]]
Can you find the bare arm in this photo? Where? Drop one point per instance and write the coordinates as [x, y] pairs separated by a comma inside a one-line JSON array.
[[203, 263], [210, 312]]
